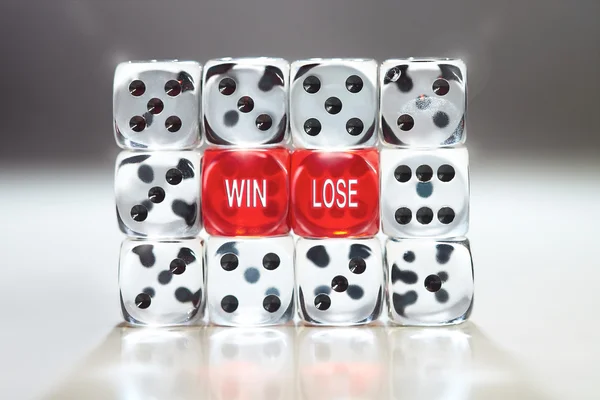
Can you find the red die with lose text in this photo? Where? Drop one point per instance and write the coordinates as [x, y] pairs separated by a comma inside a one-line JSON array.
[[246, 192], [335, 194]]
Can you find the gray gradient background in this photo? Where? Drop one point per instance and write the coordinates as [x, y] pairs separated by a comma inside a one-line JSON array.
[[533, 137], [533, 65]]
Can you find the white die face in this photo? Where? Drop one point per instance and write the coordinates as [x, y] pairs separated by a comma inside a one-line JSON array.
[[245, 101], [162, 282], [429, 282], [251, 363], [251, 280], [156, 105], [158, 193], [430, 364], [342, 363], [319, 88], [423, 102], [339, 281], [425, 193]]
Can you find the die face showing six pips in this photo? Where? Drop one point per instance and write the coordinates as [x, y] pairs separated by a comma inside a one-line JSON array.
[[333, 191]]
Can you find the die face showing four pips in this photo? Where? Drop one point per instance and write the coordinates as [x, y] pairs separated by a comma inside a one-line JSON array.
[[332, 191]]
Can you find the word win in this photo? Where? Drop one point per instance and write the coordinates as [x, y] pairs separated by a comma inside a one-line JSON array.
[[340, 193], [249, 190]]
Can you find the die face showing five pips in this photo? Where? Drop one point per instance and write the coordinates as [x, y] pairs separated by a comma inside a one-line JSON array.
[[293, 148]]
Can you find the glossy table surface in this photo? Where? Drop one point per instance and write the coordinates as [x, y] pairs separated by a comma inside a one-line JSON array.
[[532, 335]]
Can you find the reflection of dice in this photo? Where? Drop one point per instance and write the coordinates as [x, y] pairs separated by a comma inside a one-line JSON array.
[[430, 364], [339, 281], [429, 282], [245, 101], [335, 194], [333, 103], [162, 364], [251, 280], [158, 193], [425, 193], [246, 192], [156, 105], [342, 363], [251, 363], [423, 102], [162, 282]]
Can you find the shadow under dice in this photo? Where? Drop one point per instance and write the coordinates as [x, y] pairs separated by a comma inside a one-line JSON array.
[[162, 282], [339, 281], [156, 105], [246, 192], [251, 363], [425, 193], [333, 103], [245, 101], [158, 193], [335, 194], [342, 363], [423, 102], [429, 282], [251, 280]]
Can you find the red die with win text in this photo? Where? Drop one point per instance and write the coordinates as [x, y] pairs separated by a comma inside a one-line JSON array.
[[246, 192], [335, 194]]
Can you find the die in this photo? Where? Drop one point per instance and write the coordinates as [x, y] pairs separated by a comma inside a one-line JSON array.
[[251, 363], [423, 102], [429, 282], [246, 192], [431, 364], [425, 193], [162, 282], [156, 105], [342, 363], [333, 103], [339, 281], [251, 280], [335, 194], [245, 101], [158, 193]]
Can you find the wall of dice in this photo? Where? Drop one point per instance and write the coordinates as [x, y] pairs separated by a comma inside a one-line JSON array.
[[253, 190]]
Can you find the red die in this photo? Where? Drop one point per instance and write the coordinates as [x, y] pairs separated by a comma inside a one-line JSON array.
[[335, 194], [246, 192]]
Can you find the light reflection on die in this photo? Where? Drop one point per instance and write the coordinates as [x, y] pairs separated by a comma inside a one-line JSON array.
[[251, 363], [342, 363]]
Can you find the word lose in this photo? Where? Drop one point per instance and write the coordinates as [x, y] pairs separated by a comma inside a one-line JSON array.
[[339, 193]]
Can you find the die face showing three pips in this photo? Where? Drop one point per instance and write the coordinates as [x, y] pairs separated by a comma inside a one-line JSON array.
[[332, 190]]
